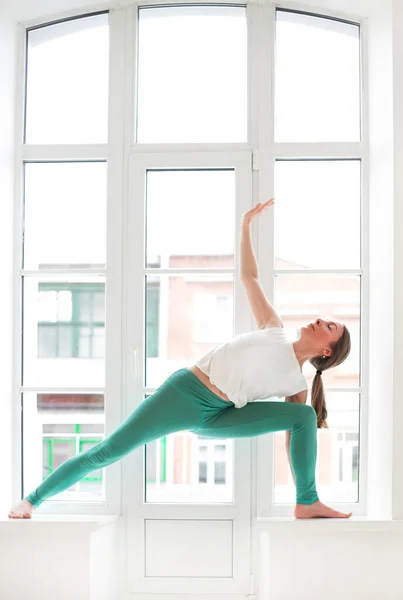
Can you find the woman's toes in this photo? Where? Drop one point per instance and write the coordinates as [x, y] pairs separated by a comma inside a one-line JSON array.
[[22, 510]]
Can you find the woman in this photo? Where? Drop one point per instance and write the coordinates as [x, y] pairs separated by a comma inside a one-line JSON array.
[[214, 397]]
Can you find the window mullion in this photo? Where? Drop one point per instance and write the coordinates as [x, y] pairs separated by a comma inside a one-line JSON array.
[[263, 229], [115, 243], [305, 272], [319, 150], [64, 152]]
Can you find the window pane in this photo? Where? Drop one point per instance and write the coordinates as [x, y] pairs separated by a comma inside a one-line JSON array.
[[67, 82], [57, 427], [98, 342], [202, 472], [213, 317], [219, 474], [300, 299], [317, 79], [65, 333], [153, 316], [190, 218], [65, 214], [98, 300], [47, 341], [317, 214], [192, 74], [189, 323], [65, 305], [55, 452], [184, 467], [84, 305], [337, 466], [84, 342], [47, 306], [62, 352]]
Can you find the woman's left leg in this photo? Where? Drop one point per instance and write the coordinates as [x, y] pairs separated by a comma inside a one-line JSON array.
[[168, 410]]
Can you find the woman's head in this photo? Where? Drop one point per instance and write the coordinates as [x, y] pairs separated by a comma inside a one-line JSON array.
[[319, 335], [331, 344]]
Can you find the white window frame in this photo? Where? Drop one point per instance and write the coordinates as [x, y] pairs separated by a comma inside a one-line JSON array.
[[118, 152]]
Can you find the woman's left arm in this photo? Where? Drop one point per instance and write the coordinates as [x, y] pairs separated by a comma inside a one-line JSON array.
[[264, 312]]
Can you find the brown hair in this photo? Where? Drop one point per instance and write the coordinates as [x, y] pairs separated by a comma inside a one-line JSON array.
[[341, 349]]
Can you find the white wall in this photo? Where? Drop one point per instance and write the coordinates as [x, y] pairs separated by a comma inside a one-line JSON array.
[[25, 10], [340, 566], [381, 255], [69, 559], [58, 565], [8, 52], [398, 270]]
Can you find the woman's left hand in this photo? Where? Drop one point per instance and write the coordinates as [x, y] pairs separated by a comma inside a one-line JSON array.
[[256, 210]]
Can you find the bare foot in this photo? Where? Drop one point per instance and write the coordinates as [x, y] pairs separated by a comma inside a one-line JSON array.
[[22, 510], [318, 510]]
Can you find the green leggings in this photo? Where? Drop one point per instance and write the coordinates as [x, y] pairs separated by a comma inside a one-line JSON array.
[[184, 403]]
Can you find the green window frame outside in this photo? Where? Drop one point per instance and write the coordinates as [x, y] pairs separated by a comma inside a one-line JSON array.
[[76, 323], [152, 320], [52, 442]]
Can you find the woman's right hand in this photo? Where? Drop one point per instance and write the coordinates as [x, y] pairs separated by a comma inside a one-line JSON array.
[[255, 211]]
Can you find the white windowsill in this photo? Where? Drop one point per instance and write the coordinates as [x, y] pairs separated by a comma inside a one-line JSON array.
[[82, 523], [292, 525], [272, 524]]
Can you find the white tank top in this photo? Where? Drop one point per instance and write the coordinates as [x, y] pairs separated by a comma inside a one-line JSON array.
[[254, 365]]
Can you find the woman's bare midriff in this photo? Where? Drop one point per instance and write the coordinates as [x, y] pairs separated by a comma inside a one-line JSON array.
[[206, 381]]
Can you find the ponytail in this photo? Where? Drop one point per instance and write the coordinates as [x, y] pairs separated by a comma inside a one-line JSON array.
[[318, 400], [341, 350]]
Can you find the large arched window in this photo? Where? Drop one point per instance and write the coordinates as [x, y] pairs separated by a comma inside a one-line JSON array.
[[147, 132]]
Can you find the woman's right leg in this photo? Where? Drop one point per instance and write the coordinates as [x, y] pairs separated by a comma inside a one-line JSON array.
[[164, 412], [259, 418]]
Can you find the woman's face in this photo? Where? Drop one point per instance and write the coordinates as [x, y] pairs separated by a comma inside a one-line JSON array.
[[322, 333]]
